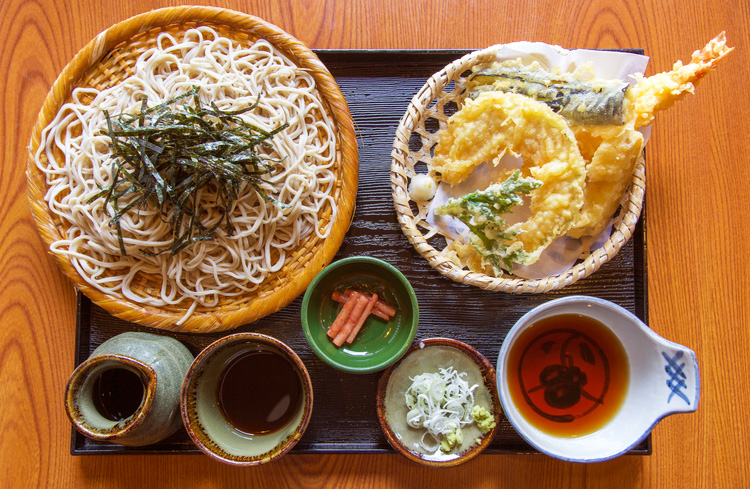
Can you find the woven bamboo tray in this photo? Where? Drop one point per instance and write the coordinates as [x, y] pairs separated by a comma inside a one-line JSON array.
[[417, 135], [105, 61]]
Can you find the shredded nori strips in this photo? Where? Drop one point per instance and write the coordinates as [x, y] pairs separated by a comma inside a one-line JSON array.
[[165, 155]]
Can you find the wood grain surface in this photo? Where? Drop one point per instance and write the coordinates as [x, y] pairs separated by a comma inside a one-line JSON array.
[[698, 235]]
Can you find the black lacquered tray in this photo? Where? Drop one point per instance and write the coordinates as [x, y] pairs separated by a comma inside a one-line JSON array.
[[378, 86]]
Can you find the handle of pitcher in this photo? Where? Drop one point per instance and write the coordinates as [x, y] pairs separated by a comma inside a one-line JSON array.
[[680, 388]]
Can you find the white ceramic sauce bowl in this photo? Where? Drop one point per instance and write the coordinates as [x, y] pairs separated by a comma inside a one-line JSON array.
[[664, 380]]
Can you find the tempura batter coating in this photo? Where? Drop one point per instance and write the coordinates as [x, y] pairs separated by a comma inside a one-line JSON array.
[[660, 91], [610, 168], [496, 122], [585, 162], [608, 174]]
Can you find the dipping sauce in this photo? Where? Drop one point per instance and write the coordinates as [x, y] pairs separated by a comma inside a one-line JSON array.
[[259, 392], [568, 375], [117, 393]]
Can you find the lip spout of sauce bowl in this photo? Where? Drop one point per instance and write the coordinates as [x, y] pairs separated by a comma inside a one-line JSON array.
[[209, 427], [664, 380]]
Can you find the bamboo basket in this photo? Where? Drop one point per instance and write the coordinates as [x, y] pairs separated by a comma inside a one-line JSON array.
[[107, 60], [417, 134]]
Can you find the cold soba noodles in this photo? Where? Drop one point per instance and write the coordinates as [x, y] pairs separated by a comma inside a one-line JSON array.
[[75, 155]]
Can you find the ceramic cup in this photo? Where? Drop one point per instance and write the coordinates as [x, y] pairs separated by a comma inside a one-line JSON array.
[[152, 366], [205, 417], [662, 380]]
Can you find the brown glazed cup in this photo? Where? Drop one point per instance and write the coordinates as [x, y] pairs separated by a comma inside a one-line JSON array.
[[206, 423]]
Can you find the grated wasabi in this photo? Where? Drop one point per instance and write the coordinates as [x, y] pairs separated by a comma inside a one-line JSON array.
[[442, 403]]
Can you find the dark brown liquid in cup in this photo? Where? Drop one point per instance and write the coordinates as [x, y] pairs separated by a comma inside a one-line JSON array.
[[259, 392], [568, 375], [118, 393]]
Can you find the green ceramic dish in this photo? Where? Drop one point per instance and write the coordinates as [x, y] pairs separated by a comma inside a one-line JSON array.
[[379, 343]]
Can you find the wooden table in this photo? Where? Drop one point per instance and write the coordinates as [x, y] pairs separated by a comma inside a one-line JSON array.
[[698, 237]]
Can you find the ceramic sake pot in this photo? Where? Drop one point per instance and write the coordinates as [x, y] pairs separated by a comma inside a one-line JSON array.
[[158, 362]]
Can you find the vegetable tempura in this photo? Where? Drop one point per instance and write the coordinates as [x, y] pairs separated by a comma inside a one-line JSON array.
[[577, 135]]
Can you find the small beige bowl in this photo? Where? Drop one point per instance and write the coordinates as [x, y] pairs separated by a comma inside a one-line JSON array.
[[206, 424], [427, 356]]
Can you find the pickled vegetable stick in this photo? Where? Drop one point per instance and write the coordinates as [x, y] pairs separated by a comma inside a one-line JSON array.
[[380, 314], [362, 318], [342, 317], [340, 338], [381, 306], [339, 297], [360, 302]]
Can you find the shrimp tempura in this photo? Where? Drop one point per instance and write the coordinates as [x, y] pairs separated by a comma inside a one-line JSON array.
[[660, 91]]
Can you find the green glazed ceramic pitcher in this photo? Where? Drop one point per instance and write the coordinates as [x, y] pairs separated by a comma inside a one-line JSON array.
[[128, 390]]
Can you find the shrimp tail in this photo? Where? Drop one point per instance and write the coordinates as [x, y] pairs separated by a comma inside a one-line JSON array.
[[707, 58], [660, 91]]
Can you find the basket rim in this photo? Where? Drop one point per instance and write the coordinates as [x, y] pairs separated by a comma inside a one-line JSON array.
[[622, 230], [201, 320]]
